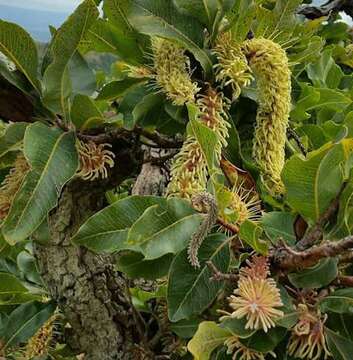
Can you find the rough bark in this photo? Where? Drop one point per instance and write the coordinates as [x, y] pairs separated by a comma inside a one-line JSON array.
[[89, 292]]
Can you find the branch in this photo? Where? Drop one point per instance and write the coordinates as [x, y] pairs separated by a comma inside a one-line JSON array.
[[234, 229], [218, 275], [346, 281], [332, 6], [316, 232], [288, 259], [291, 134]]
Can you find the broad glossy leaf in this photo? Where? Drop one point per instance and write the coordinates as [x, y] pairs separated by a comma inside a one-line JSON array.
[[161, 18], [241, 16], [314, 182], [24, 322], [164, 228], [325, 72], [27, 265], [190, 290], [208, 337], [279, 225], [65, 43], [340, 347], [340, 301], [19, 47], [318, 276], [54, 161], [106, 231], [12, 138], [250, 232], [237, 327], [85, 113], [134, 265], [12, 291], [185, 329], [117, 89]]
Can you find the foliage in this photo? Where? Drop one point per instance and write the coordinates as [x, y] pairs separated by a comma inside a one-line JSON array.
[[262, 100]]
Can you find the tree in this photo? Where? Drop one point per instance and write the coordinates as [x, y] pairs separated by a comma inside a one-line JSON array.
[[192, 202]]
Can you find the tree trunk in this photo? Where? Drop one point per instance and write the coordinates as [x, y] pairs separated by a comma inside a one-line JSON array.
[[92, 296]]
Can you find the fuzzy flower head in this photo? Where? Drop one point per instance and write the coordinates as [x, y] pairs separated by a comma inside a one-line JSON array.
[[12, 184], [241, 352], [189, 170], [39, 344], [269, 63], [172, 70], [94, 160], [232, 68], [240, 204], [257, 297], [308, 339]]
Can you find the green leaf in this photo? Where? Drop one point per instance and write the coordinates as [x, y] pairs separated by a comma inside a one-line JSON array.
[[85, 113], [164, 228], [279, 225], [250, 232], [309, 97], [190, 290], [265, 342], [117, 10], [24, 322], [53, 158], [314, 182], [106, 231], [240, 18], [64, 45], [117, 89], [237, 327], [134, 265], [12, 138], [340, 347], [19, 47], [318, 276], [12, 291], [340, 301], [161, 18], [325, 72], [27, 265], [185, 329], [208, 337]]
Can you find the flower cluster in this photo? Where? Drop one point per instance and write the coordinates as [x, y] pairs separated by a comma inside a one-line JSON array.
[[269, 63], [39, 344], [257, 297], [94, 160], [232, 68], [308, 336], [12, 184], [172, 70]]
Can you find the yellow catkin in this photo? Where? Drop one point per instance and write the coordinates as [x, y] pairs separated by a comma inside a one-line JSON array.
[[269, 63], [189, 169], [11, 184], [172, 70], [39, 343], [232, 68]]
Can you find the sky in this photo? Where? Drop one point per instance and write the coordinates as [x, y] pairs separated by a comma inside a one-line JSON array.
[[47, 5]]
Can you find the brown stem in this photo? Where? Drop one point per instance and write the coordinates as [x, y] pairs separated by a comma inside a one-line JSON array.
[[218, 275], [234, 229], [288, 259], [346, 281], [332, 6]]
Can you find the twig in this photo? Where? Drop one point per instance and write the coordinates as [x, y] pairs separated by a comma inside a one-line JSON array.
[[234, 229], [291, 134], [316, 232], [344, 281], [346, 258], [161, 140], [332, 6], [218, 275], [288, 259]]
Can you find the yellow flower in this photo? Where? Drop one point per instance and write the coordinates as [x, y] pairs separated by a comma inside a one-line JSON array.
[[94, 160], [257, 297], [269, 63], [232, 68], [241, 352], [12, 184], [172, 70], [308, 336], [39, 344]]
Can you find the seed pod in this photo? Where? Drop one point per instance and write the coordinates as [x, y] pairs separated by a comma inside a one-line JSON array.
[[269, 63], [172, 70]]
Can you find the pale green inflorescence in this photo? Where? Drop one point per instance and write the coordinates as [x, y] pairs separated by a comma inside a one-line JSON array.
[[172, 71], [269, 63]]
